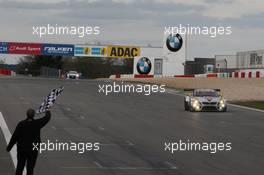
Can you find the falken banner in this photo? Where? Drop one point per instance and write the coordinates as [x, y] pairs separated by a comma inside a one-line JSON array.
[[3, 47], [90, 51], [58, 49], [24, 48]]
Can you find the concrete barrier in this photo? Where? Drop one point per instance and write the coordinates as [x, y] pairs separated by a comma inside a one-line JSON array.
[[251, 73], [6, 72], [143, 76], [240, 74], [184, 76]]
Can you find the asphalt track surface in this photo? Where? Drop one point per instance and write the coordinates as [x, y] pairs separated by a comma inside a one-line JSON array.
[[132, 130]]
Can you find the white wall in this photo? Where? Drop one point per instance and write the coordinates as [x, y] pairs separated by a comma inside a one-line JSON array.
[[135, 72], [151, 53], [244, 59], [173, 62], [230, 60]]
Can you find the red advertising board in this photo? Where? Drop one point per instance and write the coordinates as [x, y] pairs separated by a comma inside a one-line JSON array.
[[24, 48]]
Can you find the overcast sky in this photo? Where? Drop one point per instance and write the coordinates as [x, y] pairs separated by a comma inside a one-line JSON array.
[[138, 22]]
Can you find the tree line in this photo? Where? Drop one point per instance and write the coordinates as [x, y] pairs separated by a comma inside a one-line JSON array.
[[89, 67]]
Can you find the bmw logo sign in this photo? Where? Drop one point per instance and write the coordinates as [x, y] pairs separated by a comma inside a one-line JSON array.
[[174, 42], [144, 65]]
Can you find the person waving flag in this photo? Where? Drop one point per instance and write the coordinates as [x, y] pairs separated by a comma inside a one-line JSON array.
[[49, 100]]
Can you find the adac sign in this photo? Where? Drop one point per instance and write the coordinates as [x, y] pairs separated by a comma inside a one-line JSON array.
[[123, 51]]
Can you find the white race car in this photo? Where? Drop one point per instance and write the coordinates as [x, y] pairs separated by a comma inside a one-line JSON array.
[[73, 75], [205, 100]]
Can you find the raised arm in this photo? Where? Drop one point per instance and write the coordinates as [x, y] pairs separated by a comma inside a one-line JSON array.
[[43, 121]]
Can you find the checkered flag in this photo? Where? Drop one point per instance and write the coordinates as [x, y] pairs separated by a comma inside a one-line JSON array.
[[49, 100]]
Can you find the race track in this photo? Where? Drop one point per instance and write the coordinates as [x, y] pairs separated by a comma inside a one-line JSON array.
[[131, 130]]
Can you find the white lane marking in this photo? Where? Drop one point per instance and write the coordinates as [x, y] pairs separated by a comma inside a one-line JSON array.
[[8, 136], [53, 127], [244, 107], [171, 93], [98, 164], [101, 128], [18, 103], [117, 168], [72, 128], [82, 117], [60, 118], [130, 143], [127, 143], [171, 165], [108, 144]]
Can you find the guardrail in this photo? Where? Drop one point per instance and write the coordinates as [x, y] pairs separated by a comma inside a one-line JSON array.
[[241, 74], [248, 74]]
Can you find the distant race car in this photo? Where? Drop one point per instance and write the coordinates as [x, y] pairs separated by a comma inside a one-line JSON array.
[[204, 100], [73, 75]]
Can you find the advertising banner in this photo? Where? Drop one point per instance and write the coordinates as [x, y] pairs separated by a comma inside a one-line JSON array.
[[3, 47], [175, 53], [24, 48], [90, 51], [58, 49], [123, 51]]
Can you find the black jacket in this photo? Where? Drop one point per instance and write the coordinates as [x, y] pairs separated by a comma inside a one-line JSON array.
[[28, 132]]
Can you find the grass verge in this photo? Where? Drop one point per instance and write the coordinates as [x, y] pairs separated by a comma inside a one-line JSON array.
[[251, 104]]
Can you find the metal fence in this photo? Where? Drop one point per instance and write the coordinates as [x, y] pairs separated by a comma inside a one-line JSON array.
[[49, 72]]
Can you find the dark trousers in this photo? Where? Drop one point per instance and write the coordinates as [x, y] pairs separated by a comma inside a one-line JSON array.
[[28, 158]]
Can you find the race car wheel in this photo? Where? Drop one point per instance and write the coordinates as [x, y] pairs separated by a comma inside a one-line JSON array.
[[186, 106], [223, 110], [191, 109]]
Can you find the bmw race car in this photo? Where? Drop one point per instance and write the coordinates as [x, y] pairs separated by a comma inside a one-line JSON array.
[[73, 75], [204, 100]]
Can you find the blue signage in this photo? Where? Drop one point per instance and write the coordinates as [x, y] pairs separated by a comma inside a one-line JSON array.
[[80, 50], [97, 51], [58, 49], [88, 51], [3, 47]]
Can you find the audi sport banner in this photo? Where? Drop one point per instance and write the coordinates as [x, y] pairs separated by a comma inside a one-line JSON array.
[[58, 49], [24, 48], [49, 100]]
